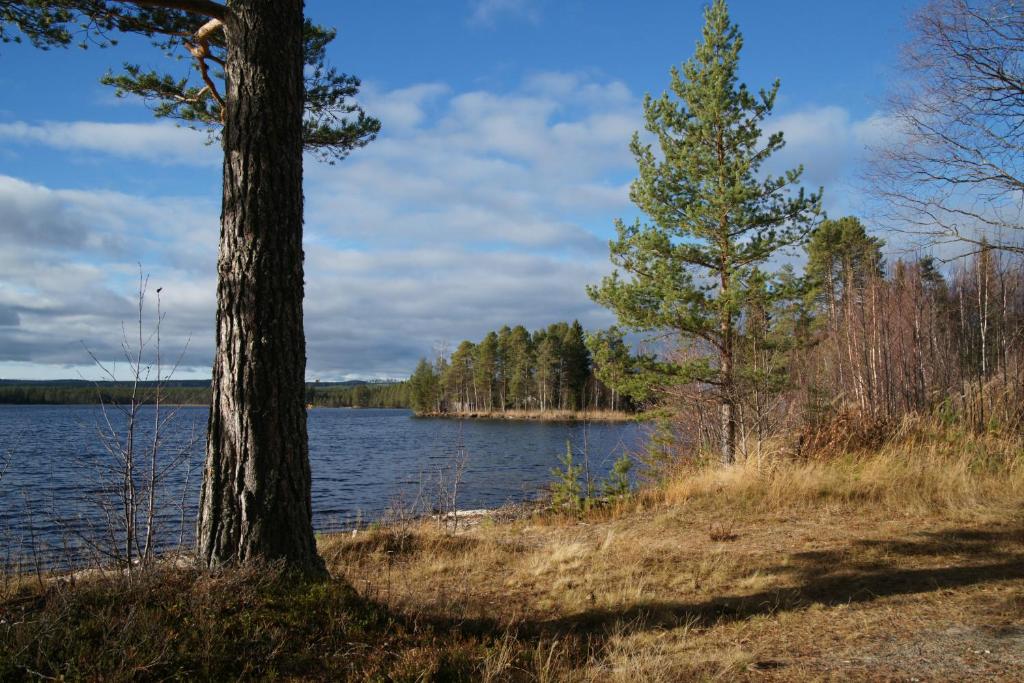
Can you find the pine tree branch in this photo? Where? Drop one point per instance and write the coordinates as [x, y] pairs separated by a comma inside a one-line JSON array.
[[208, 8], [211, 87], [201, 51], [334, 123]]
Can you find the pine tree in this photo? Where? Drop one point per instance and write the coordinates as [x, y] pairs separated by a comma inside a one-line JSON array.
[[841, 256], [611, 360], [484, 370], [765, 349], [253, 72], [521, 362], [548, 368], [442, 399], [714, 214], [423, 387], [576, 366], [459, 379], [502, 364]]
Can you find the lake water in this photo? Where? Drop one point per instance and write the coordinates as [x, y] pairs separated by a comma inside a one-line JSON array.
[[59, 489]]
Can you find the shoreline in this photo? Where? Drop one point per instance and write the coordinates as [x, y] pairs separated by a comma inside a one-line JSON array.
[[535, 415], [111, 403], [182, 405]]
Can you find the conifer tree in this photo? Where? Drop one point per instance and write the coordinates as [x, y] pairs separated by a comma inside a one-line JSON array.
[[253, 72], [612, 362], [520, 363], [548, 367], [459, 378], [841, 256], [485, 366], [576, 366], [715, 215], [423, 388], [501, 374]]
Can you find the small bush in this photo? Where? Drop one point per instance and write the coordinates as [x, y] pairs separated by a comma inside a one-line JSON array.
[[617, 485], [567, 491]]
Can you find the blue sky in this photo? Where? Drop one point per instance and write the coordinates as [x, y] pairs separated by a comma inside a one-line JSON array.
[[488, 199]]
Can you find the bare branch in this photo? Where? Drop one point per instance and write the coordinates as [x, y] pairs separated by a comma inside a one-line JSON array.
[[953, 166]]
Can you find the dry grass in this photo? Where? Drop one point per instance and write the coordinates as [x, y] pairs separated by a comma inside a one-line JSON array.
[[908, 563], [903, 564], [924, 468], [544, 415], [252, 624]]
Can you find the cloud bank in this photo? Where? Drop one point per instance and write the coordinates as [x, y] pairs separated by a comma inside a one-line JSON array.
[[159, 143], [474, 209]]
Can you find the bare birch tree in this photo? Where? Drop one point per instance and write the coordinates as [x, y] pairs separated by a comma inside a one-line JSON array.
[[952, 169]]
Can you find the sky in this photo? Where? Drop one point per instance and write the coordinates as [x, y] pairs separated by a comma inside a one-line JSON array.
[[488, 199]]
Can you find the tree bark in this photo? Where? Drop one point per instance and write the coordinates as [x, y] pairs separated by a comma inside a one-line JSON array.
[[728, 388], [728, 412], [255, 503], [727, 408]]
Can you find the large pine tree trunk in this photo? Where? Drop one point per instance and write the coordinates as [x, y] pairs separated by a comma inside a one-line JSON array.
[[255, 503]]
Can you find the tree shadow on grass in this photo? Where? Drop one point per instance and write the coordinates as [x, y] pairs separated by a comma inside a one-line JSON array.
[[828, 577]]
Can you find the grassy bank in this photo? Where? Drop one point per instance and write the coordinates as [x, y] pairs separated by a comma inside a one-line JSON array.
[[906, 562], [539, 415], [902, 563]]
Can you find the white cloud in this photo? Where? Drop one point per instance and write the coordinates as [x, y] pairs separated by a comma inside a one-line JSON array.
[[32, 214], [403, 108], [388, 308], [160, 142], [70, 268], [831, 145], [104, 224], [539, 167], [473, 210], [487, 12], [64, 306], [878, 130]]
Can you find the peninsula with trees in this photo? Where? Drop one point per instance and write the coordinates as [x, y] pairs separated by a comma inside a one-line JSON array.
[[551, 374]]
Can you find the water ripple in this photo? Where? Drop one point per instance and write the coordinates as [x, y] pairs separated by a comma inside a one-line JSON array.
[[363, 461]]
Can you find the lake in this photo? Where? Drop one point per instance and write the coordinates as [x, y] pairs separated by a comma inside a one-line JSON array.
[[59, 489]]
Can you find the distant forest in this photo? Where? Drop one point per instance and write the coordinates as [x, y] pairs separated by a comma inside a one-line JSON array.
[[512, 369], [195, 392], [550, 369], [357, 394]]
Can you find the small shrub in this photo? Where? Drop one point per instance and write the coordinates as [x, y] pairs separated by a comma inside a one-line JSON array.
[[567, 491], [617, 485], [720, 531]]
